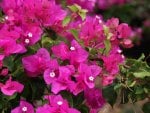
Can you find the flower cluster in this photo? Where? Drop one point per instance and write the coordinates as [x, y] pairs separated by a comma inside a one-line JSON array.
[[88, 49]]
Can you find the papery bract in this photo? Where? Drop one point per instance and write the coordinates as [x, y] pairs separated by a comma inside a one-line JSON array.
[[75, 54], [11, 87], [60, 78], [61, 51], [107, 79], [36, 64], [94, 99], [58, 104], [24, 107], [9, 46], [124, 30], [92, 31], [112, 61], [86, 77]]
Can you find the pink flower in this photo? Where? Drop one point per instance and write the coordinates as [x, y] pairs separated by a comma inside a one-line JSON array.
[[57, 101], [112, 61], [59, 78], [4, 72], [61, 51], [10, 31], [44, 109], [94, 99], [24, 107], [127, 43], [31, 34], [112, 23], [56, 105], [79, 87], [36, 64], [107, 79], [76, 54], [9, 46], [52, 72], [92, 31], [86, 77], [124, 30], [11, 87], [10, 5], [45, 12]]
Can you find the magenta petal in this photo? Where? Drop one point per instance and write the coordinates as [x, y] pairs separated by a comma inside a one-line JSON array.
[[19, 86], [16, 110], [95, 70], [64, 72], [30, 63], [44, 109], [23, 107], [8, 92], [48, 79], [30, 108], [89, 83], [61, 51], [11, 87], [57, 87], [43, 53]]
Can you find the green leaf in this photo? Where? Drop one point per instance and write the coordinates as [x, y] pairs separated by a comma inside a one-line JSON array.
[[11, 97], [146, 107], [82, 14], [146, 90], [74, 8], [35, 47], [84, 109], [67, 96], [142, 74], [110, 94], [75, 34], [107, 46], [66, 20], [139, 90], [117, 86], [38, 86], [132, 84], [47, 42], [77, 9], [141, 58], [106, 30], [78, 100], [9, 63]]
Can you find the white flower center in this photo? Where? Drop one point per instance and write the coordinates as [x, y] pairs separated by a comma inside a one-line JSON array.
[[100, 21], [97, 17], [119, 51], [123, 56], [27, 41], [30, 34], [91, 78], [24, 108], [60, 103], [6, 17], [52, 74], [72, 48]]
